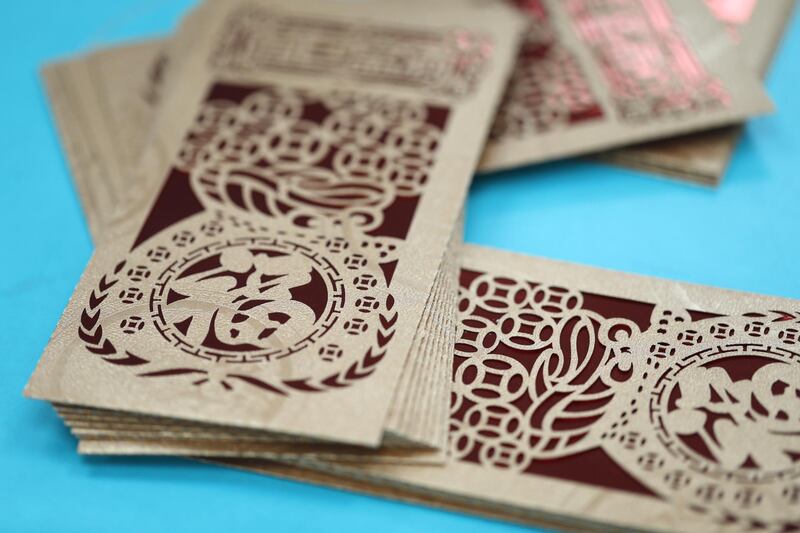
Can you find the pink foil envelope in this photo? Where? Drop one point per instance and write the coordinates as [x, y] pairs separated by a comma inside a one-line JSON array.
[[596, 74], [703, 157]]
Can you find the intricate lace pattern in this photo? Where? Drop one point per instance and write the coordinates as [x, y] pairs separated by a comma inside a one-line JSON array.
[[534, 371], [325, 161], [548, 89], [702, 410], [277, 233], [650, 69]]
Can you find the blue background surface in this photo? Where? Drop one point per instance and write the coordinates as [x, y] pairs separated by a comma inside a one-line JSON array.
[[742, 236]]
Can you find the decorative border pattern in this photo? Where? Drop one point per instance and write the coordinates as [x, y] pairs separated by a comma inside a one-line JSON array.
[[450, 63]]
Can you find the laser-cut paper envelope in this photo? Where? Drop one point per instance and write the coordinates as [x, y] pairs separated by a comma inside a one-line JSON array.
[[129, 107], [598, 74], [595, 399], [271, 243], [756, 26], [419, 406]]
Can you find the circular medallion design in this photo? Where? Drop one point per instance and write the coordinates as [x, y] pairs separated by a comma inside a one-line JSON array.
[[731, 413], [248, 300], [223, 301], [715, 419]]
